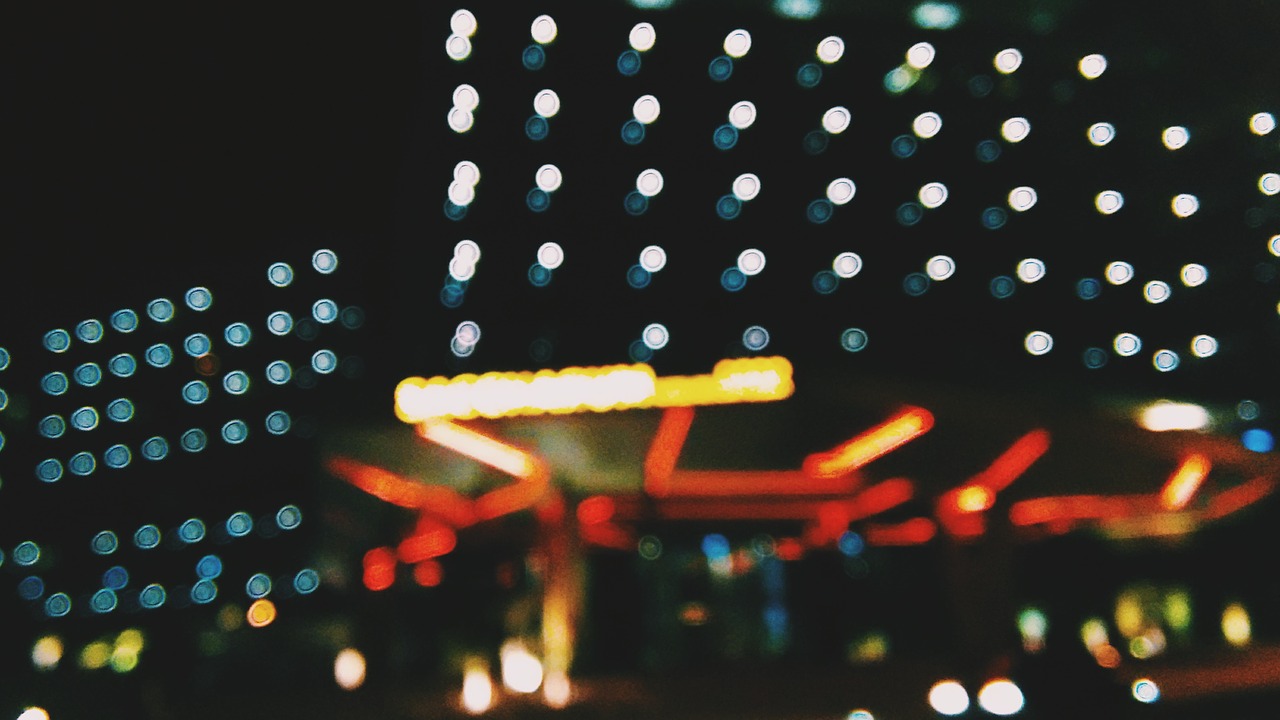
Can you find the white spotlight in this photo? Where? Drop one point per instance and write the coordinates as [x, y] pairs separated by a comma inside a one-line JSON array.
[[521, 671], [1008, 60], [1194, 274], [1203, 346], [1031, 270], [463, 23], [841, 190], [940, 267], [949, 698], [466, 97], [477, 690], [467, 250], [926, 125], [933, 195], [1015, 129], [467, 173], [1001, 697], [461, 120], [349, 669], [546, 103], [1145, 691], [655, 336], [1092, 66], [742, 114], [461, 193], [649, 182], [1262, 123], [1022, 199], [1102, 133], [1165, 360], [457, 47], [751, 261], [921, 55], [548, 178], [1156, 292], [1127, 344], [467, 333], [543, 30], [746, 186], [1185, 205], [1038, 342], [1175, 137], [1118, 272], [1108, 201], [847, 264], [462, 269], [831, 49], [737, 43], [646, 109], [836, 120], [653, 258], [1269, 184], [642, 37], [1273, 245], [550, 255]]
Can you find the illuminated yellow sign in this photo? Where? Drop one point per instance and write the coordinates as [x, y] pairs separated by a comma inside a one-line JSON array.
[[599, 389]]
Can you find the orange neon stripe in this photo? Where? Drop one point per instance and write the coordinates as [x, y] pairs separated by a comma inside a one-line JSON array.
[[881, 497], [1079, 507], [1184, 482], [749, 510], [759, 483], [1015, 461], [872, 444], [481, 448], [607, 535], [915, 531], [1238, 497], [447, 504], [664, 451]]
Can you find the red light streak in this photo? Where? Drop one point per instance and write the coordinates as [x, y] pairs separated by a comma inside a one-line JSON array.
[[915, 531], [443, 502], [1185, 481], [379, 568], [870, 445], [664, 451], [1015, 461]]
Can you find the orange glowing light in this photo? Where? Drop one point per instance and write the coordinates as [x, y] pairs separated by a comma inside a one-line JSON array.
[[428, 573], [445, 503], [1015, 461], [757, 483], [261, 613], [1107, 656], [915, 531], [974, 499], [881, 497], [664, 451], [872, 444], [427, 543], [379, 568], [481, 448], [1079, 507], [1238, 497], [595, 510], [1184, 482]]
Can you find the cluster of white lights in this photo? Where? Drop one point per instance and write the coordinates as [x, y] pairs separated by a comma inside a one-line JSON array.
[[1118, 272], [465, 337], [462, 190], [1185, 205], [933, 195], [841, 190], [940, 267], [750, 262], [646, 109], [462, 26], [1022, 199], [1194, 274], [1092, 66], [546, 103], [649, 182], [655, 336], [830, 49], [921, 55], [737, 43], [543, 30], [1176, 137], [1203, 346], [1262, 123], [465, 101], [466, 255], [653, 258], [847, 264], [836, 120], [1015, 129], [1156, 291], [746, 186], [926, 124], [642, 37], [1108, 201], [1038, 342], [1031, 270], [1101, 133], [1008, 60], [550, 255], [1269, 184], [548, 178], [743, 114], [1127, 344]]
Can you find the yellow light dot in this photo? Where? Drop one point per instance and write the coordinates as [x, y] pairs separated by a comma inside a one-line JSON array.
[[1235, 625], [124, 659], [95, 655], [230, 618], [261, 613], [130, 640], [974, 498], [47, 652]]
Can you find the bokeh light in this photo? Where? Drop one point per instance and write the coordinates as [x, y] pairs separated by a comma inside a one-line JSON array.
[[1101, 134], [1015, 129], [927, 125], [948, 697], [1038, 342], [737, 43], [1108, 201], [1175, 137], [1092, 66], [349, 669], [1001, 697]]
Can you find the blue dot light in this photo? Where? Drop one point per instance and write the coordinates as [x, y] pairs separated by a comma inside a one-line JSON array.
[[1095, 358], [638, 277], [195, 392], [239, 524], [629, 63], [209, 567], [57, 605], [825, 282], [537, 128], [57, 340], [633, 132], [280, 274], [120, 410], [31, 588], [197, 345], [819, 211], [815, 142], [1088, 289], [903, 146], [155, 448], [204, 592], [159, 355], [278, 422], [306, 581], [235, 432], [915, 284], [279, 323], [237, 334], [49, 470], [639, 352], [755, 338], [725, 137], [352, 317], [86, 418], [89, 331], [55, 383], [52, 426], [994, 218], [733, 279], [451, 296], [635, 203], [88, 374], [191, 531], [236, 382], [715, 546], [147, 537], [104, 543], [728, 207], [122, 365], [117, 456], [115, 578], [850, 544], [533, 57], [854, 340], [988, 151], [258, 586], [538, 200], [104, 601], [152, 596], [909, 213], [125, 321], [1002, 287], [324, 362], [721, 68], [288, 517], [199, 298], [324, 261], [809, 75], [26, 554], [194, 440], [160, 310], [1258, 440], [279, 372], [454, 212], [324, 311], [82, 464]]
